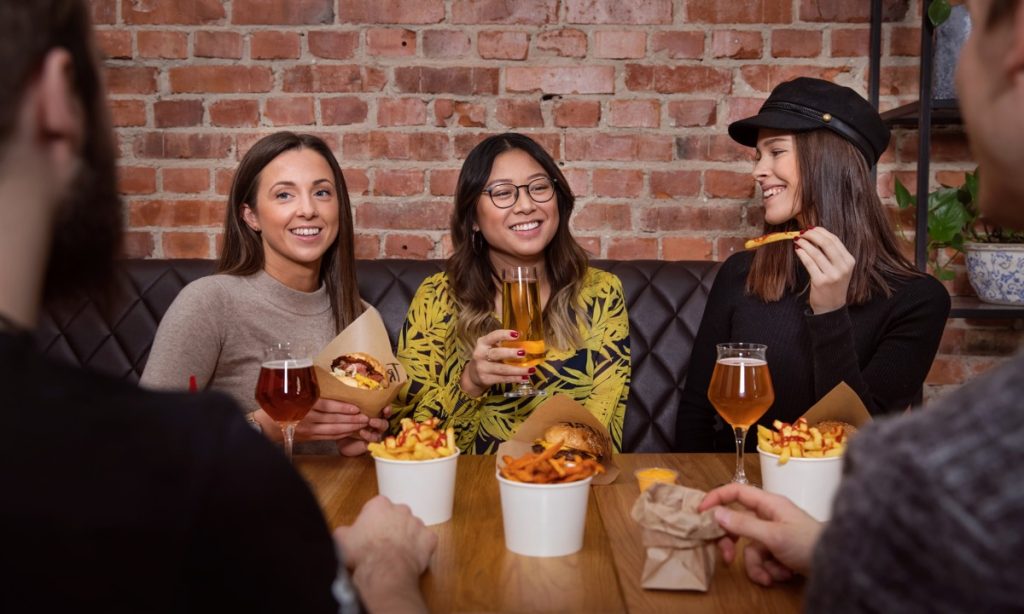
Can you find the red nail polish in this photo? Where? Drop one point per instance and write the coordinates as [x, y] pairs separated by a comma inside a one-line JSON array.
[[515, 334], [526, 378], [533, 369], [521, 353]]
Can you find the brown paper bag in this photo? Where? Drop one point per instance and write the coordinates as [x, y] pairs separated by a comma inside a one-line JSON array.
[[680, 542], [558, 408], [366, 334]]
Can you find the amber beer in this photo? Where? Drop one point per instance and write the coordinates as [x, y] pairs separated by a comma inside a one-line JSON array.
[[287, 389], [741, 390], [521, 312]]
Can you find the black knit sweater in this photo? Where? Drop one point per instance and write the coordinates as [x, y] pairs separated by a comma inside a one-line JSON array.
[[882, 349]]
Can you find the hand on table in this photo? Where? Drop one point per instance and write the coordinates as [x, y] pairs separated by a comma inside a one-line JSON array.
[[830, 266], [387, 549], [782, 536], [485, 368]]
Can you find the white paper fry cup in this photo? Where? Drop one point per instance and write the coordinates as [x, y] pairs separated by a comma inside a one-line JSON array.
[[544, 519], [426, 486], [810, 483]]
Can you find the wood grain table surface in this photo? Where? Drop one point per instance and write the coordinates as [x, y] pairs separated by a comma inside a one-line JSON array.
[[472, 571]]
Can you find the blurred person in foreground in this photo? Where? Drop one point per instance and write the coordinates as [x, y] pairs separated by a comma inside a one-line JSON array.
[[117, 499], [930, 513]]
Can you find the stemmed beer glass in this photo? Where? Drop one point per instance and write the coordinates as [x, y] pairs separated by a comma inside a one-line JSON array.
[[287, 388], [521, 312], [741, 391]]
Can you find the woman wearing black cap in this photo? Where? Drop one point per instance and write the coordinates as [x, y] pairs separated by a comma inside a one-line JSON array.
[[839, 303]]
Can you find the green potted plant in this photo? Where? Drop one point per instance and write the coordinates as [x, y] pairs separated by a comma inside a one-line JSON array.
[[994, 255]]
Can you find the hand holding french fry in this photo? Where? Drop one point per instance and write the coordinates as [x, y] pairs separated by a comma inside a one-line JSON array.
[[417, 441]]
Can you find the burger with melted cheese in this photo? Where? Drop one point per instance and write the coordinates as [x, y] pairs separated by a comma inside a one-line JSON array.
[[577, 439]]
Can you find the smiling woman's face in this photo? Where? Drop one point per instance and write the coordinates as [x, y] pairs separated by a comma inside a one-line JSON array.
[[778, 174], [518, 234], [296, 212]]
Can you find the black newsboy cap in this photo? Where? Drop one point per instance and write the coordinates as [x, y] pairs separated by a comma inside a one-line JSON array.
[[805, 104]]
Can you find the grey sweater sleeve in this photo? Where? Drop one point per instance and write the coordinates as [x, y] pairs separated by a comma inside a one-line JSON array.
[[188, 340], [930, 515]]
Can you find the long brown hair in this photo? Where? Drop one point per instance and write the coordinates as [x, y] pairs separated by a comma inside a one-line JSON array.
[[837, 193], [471, 276], [243, 248]]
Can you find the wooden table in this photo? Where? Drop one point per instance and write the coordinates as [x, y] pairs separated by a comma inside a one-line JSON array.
[[472, 571]]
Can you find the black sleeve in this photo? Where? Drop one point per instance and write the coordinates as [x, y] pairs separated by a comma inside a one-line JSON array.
[[892, 376], [696, 418], [261, 542]]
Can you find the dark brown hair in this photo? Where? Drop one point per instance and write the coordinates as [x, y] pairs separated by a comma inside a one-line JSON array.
[[243, 247], [87, 230], [837, 193], [472, 277]]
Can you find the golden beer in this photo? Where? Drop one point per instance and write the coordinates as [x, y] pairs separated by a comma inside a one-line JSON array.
[[520, 311], [741, 390]]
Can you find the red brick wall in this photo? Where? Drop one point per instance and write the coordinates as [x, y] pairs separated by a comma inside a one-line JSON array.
[[633, 96]]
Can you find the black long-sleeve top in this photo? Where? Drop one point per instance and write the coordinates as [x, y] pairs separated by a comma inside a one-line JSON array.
[[882, 349]]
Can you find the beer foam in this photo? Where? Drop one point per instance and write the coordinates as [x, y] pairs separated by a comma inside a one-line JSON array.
[[291, 363], [743, 362]]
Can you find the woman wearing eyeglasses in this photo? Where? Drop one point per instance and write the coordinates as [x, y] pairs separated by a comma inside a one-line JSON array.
[[512, 207]]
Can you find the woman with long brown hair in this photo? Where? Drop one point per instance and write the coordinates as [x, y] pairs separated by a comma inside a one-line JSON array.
[[840, 302], [287, 267], [512, 207]]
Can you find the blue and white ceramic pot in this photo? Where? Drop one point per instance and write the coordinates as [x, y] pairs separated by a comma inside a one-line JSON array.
[[996, 271]]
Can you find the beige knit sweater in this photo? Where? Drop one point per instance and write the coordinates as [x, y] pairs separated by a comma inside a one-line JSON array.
[[217, 327]]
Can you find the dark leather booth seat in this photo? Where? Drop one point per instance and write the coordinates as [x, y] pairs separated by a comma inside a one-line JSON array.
[[665, 301]]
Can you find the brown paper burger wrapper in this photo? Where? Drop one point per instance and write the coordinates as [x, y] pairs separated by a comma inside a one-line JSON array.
[[680, 543], [559, 408], [841, 404], [369, 335]]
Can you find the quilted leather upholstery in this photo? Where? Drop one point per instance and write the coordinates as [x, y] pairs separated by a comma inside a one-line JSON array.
[[665, 301]]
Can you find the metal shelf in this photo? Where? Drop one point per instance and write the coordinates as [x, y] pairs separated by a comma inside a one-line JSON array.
[[971, 307], [943, 113]]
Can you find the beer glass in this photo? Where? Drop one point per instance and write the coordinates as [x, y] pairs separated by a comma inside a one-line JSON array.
[[741, 391], [287, 388], [521, 312]]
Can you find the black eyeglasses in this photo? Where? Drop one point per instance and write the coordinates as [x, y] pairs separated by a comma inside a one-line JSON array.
[[504, 195]]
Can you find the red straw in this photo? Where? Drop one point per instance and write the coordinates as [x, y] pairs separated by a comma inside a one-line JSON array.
[[192, 387]]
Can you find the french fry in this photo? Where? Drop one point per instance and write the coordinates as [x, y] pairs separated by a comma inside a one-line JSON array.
[[799, 440], [416, 441], [544, 468]]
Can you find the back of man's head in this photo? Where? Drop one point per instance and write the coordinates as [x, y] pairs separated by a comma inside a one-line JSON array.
[[87, 227]]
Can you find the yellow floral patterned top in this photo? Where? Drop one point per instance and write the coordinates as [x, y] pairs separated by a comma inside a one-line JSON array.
[[596, 375]]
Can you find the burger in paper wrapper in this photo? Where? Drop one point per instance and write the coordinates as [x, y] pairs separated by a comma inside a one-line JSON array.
[[358, 366], [561, 418]]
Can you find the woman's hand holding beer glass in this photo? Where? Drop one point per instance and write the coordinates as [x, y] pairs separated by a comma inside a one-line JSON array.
[[487, 366], [510, 355], [741, 391]]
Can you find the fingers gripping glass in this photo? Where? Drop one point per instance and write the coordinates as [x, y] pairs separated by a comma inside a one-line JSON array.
[[504, 195]]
